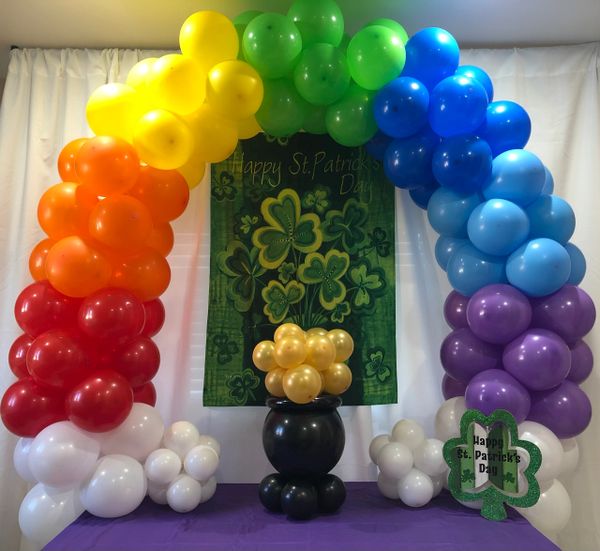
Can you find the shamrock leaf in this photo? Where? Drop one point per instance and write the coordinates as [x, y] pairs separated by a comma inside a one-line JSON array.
[[326, 271], [226, 349], [375, 366], [316, 200], [286, 271], [241, 386], [368, 283], [379, 242], [222, 188], [247, 223], [340, 312], [279, 298], [287, 229], [346, 225]]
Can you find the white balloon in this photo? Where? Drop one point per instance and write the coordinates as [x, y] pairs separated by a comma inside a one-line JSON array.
[[549, 445], [570, 455], [158, 492], [447, 418], [45, 512], [63, 455], [415, 489], [388, 486], [429, 457], [138, 435], [115, 488], [162, 466], [181, 437], [376, 444], [409, 433], [201, 462], [208, 489], [395, 460], [184, 494], [206, 440], [21, 459], [553, 510], [438, 483]]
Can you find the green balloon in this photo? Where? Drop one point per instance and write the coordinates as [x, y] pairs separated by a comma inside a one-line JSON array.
[[350, 121], [272, 44], [344, 43], [375, 56], [283, 111], [318, 21], [240, 23], [393, 25], [314, 122], [322, 76]]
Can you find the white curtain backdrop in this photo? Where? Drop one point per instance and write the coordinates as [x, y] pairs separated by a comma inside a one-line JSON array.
[[44, 107]]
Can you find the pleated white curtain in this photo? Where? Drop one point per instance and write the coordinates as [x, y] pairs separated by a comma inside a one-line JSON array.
[[44, 107]]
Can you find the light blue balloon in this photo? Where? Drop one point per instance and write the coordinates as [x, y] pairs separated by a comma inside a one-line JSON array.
[[578, 264], [540, 267], [548, 188], [498, 227], [517, 176], [449, 211], [552, 217], [469, 270], [445, 247]]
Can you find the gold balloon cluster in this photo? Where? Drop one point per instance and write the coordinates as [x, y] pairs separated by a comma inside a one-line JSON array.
[[301, 365], [181, 111]]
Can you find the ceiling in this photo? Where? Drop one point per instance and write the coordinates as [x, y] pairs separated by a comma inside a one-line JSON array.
[[155, 23]]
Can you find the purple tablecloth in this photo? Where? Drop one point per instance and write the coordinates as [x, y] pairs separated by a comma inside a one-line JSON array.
[[234, 520]]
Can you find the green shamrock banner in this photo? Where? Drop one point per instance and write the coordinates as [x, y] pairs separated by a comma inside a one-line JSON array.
[[302, 231]]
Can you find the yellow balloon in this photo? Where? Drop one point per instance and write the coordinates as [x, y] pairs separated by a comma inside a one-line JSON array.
[[263, 356], [274, 382], [302, 384], [248, 128], [322, 375], [290, 352], [209, 37], [163, 140], [338, 378], [234, 89], [193, 171], [138, 75], [344, 345], [176, 83], [113, 110], [215, 136], [288, 330], [316, 331], [320, 352]]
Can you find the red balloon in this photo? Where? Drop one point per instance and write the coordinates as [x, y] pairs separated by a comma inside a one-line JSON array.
[[145, 394], [41, 307], [27, 408], [111, 314], [155, 317], [137, 361], [17, 355], [100, 402]]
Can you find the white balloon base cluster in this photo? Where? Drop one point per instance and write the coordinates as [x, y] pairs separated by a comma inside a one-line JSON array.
[[109, 474], [412, 467]]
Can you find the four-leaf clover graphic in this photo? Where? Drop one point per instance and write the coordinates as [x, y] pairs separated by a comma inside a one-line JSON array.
[[223, 188], [326, 271], [226, 349], [316, 200], [279, 298]]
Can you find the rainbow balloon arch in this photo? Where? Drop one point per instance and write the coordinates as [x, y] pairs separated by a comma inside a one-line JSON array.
[[517, 315]]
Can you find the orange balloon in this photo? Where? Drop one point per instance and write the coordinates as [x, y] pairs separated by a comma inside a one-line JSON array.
[[164, 192], [146, 274], [107, 165], [37, 259], [75, 268], [121, 222], [66, 160], [161, 238]]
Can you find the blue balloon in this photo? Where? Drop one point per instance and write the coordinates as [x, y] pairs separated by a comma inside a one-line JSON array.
[[578, 264], [421, 195], [377, 145], [477, 73], [469, 270], [517, 176], [457, 105], [548, 188], [462, 163], [449, 211], [407, 161], [552, 217], [507, 126], [498, 227], [401, 106], [431, 55], [540, 267], [445, 247]]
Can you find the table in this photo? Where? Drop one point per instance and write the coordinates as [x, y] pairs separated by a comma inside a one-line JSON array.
[[234, 520]]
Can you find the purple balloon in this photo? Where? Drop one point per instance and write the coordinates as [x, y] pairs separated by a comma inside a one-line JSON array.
[[463, 355], [455, 310], [452, 388], [496, 389], [538, 358], [565, 410], [569, 312], [582, 362], [498, 313]]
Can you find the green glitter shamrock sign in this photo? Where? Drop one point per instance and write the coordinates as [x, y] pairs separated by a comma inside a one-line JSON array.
[[484, 464]]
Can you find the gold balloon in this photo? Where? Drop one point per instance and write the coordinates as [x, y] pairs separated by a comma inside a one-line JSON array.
[[288, 330], [248, 128], [320, 352], [274, 382], [344, 345], [316, 331], [302, 384], [263, 356], [290, 352], [338, 378], [322, 375]]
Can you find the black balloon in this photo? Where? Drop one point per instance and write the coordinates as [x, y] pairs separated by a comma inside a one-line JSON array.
[[269, 491], [299, 499], [331, 493]]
